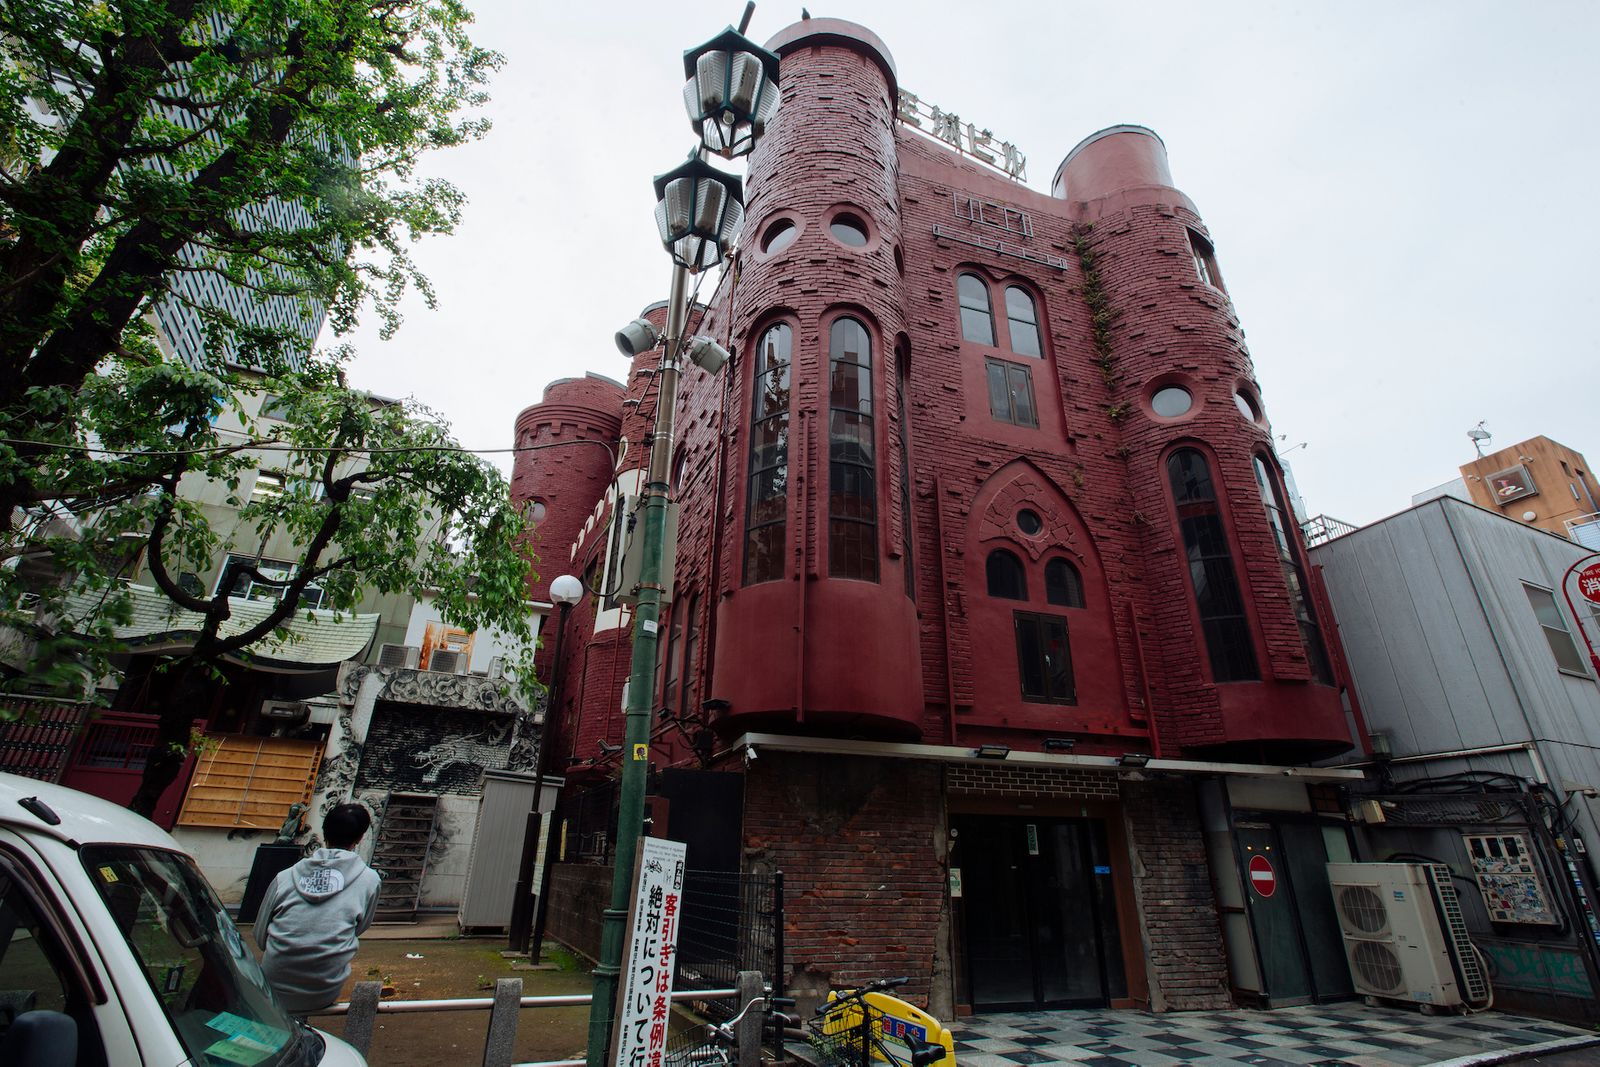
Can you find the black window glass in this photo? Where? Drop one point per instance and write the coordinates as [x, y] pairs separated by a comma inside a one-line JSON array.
[[977, 319], [1028, 521], [903, 363], [767, 497], [1229, 645], [852, 464], [1023, 321], [1044, 659], [1011, 393], [1285, 538], [1062, 584], [1005, 576], [848, 230], [779, 235]]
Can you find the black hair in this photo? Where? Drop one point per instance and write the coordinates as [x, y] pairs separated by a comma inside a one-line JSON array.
[[345, 825]]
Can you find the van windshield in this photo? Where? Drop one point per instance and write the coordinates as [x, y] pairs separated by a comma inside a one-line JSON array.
[[206, 978]]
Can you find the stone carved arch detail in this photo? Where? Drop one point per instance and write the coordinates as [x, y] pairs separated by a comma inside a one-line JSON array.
[[1022, 485]]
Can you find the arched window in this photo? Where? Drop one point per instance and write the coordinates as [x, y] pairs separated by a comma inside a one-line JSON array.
[[1211, 572], [977, 319], [1062, 585], [1294, 574], [852, 469], [902, 386], [1023, 320], [767, 506], [1006, 577]]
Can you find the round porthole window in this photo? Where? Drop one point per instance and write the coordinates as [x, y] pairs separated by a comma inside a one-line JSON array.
[[848, 230], [1246, 406], [1028, 522], [1171, 401], [779, 235]]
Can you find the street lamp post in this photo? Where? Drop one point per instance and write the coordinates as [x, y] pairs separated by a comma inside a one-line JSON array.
[[731, 94], [565, 591]]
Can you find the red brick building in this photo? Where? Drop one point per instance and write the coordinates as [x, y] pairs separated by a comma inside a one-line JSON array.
[[988, 604]]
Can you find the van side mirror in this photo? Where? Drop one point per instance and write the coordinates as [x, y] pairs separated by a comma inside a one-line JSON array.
[[40, 1039]]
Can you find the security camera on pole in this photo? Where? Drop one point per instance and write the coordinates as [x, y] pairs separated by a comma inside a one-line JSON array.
[[731, 95]]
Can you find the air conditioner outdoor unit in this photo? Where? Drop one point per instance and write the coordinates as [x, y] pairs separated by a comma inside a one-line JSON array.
[[444, 661], [285, 710], [399, 656], [1404, 934]]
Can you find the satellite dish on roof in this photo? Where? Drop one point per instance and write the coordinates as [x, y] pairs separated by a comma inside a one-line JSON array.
[[1478, 436]]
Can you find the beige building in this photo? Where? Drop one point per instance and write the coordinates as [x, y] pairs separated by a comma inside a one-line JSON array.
[[1539, 482]]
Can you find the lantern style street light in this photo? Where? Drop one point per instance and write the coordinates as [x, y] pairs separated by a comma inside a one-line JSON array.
[[699, 211], [732, 92], [731, 97]]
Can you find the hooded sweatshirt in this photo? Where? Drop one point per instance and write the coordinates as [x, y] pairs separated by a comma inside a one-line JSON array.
[[309, 923]]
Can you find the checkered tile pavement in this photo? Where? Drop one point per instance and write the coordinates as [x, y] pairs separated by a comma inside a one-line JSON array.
[[1349, 1033]]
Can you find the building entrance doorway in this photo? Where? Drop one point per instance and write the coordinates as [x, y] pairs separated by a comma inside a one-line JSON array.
[[1038, 912]]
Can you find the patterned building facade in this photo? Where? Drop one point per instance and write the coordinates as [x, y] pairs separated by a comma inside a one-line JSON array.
[[985, 577]]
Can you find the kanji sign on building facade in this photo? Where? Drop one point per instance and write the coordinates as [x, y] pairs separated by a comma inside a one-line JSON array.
[[648, 964]]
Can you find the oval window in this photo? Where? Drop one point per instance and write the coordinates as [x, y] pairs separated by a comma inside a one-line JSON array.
[[1172, 401], [848, 230], [1246, 406], [779, 235], [1028, 521]]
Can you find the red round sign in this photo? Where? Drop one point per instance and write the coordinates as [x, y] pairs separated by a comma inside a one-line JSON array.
[[1589, 583], [1262, 877]]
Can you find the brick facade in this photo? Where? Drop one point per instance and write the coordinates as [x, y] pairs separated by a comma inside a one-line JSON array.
[[1177, 909], [925, 653]]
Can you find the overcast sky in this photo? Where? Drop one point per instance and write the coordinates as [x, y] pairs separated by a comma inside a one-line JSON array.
[[1402, 195]]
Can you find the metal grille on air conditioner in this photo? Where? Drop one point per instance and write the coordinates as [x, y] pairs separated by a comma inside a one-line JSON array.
[[1377, 966], [398, 656], [443, 661], [1363, 909]]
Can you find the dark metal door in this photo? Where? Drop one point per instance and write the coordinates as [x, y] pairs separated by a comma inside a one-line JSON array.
[[1306, 855], [1039, 918], [1272, 914]]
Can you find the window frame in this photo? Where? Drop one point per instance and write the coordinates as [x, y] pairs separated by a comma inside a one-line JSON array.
[[764, 372], [1285, 535], [987, 310], [1075, 586], [868, 566], [1042, 620], [1011, 371], [1187, 513], [1033, 324], [1565, 630], [312, 597], [1021, 574], [1204, 255]]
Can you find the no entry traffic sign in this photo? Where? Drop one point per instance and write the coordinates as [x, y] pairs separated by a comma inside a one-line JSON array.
[[1262, 877]]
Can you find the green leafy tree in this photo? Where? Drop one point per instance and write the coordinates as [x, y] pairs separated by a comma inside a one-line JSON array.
[[271, 146]]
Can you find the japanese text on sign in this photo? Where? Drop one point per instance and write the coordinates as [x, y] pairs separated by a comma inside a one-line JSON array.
[[964, 137], [645, 1004]]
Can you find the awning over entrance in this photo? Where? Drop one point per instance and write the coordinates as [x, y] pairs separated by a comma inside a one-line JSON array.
[[995, 757]]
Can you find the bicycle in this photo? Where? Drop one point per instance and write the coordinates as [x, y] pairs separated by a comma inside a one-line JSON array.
[[718, 1050], [865, 1027]]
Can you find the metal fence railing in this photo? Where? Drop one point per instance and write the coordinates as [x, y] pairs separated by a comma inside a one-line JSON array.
[[731, 922]]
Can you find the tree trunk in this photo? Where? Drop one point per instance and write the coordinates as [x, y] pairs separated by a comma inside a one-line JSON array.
[[191, 698]]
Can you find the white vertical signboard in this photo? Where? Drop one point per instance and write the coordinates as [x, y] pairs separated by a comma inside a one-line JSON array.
[[645, 1005]]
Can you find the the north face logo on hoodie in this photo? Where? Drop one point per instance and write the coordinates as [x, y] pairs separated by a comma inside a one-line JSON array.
[[320, 881]]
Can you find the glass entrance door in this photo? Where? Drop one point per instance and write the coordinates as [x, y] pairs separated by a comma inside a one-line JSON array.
[[1039, 912]]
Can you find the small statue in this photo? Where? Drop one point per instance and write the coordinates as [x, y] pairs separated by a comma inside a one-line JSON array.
[[291, 824]]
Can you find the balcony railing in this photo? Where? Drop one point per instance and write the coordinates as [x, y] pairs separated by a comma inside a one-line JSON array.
[[1585, 530], [1320, 529]]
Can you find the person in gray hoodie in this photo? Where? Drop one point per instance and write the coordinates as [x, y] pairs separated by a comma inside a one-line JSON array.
[[314, 913]]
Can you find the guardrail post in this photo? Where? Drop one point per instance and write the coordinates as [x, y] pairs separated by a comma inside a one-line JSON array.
[[748, 1036], [500, 1046], [363, 1015]]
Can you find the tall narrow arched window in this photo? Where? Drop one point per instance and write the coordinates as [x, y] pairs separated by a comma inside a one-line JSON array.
[[1062, 585], [1294, 572], [977, 319], [1005, 576], [902, 386], [1022, 318], [1229, 645], [767, 504], [852, 470]]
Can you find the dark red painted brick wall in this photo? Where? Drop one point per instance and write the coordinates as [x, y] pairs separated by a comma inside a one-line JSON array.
[[860, 843]]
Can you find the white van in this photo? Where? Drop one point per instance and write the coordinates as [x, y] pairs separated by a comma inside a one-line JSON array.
[[115, 951]]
